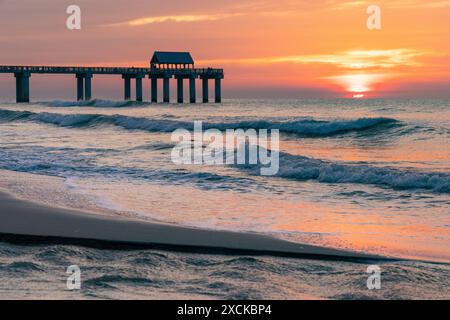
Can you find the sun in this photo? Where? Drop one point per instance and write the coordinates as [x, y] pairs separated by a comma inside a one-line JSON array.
[[358, 85]]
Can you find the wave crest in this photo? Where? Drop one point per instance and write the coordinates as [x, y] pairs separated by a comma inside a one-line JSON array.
[[303, 168], [99, 103], [302, 127]]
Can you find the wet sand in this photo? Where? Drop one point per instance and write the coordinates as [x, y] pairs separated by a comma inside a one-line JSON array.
[[24, 221]]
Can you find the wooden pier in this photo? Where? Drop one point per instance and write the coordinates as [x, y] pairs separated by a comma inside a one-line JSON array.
[[164, 66]]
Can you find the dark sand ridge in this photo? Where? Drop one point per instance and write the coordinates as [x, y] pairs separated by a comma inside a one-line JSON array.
[[23, 221]]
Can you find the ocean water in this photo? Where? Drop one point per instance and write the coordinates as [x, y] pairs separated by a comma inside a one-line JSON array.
[[365, 175]]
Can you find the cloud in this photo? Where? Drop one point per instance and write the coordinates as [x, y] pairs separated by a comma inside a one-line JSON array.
[[354, 59], [252, 8], [350, 4], [365, 59], [176, 18], [399, 4], [265, 8], [419, 4]]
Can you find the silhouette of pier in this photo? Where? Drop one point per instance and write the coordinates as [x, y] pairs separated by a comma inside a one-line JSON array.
[[163, 66]]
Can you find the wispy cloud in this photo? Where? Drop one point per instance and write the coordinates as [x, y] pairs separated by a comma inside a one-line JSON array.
[[253, 8], [398, 4], [350, 4], [176, 18], [354, 59], [367, 59], [419, 4]]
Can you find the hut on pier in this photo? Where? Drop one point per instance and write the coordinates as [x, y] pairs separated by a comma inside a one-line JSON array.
[[172, 60]]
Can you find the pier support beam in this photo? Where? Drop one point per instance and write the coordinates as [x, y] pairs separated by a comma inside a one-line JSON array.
[[154, 89], [139, 88], [166, 89], [218, 90], [192, 90], [22, 87], [127, 86], [180, 93], [80, 86], [205, 90], [87, 87]]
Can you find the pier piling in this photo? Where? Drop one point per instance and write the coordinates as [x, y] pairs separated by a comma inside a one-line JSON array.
[[205, 90], [154, 89], [166, 89], [87, 86], [139, 88], [192, 90], [80, 87], [218, 90], [127, 87], [22, 87], [180, 93]]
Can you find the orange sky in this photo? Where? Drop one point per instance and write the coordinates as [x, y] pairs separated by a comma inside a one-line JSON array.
[[268, 48]]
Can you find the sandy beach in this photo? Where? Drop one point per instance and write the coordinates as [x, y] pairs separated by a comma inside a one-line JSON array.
[[28, 221]]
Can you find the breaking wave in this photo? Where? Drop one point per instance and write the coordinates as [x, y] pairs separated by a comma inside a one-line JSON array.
[[302, 127], [99, 103], [303, 168]]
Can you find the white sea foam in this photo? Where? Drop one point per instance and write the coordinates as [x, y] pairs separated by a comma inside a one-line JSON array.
[[91, 103], [304, 168]]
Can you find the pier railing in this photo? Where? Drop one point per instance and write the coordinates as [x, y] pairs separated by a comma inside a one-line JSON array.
[[110, 70]]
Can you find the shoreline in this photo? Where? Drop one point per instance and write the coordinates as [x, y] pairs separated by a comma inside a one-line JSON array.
[[25, 222]]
